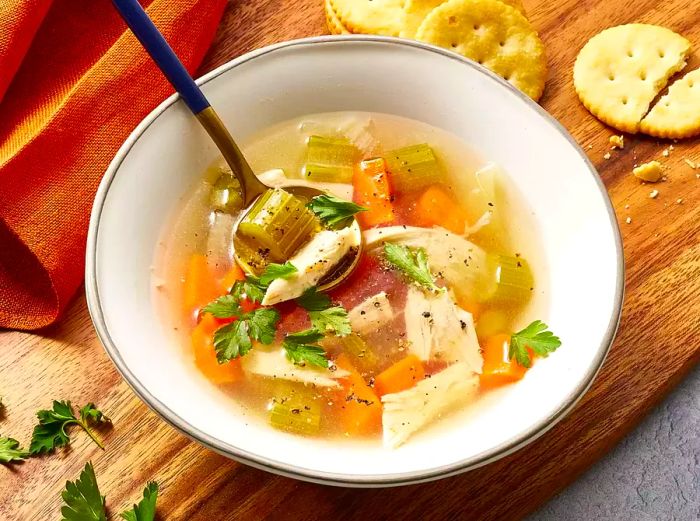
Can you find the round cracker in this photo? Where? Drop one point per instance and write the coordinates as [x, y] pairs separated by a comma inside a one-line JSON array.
[[677, 114], [383, 17], [332, 21], [494, 34], [415, 12], [620, 71]]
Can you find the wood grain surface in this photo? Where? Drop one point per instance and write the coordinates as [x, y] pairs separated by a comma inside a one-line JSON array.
[[658, 340]]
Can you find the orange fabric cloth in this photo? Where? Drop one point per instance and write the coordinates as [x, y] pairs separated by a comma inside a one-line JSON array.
[[74, 82]]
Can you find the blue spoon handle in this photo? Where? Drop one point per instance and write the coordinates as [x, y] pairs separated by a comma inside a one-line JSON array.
[[168, 62], [163, 55]]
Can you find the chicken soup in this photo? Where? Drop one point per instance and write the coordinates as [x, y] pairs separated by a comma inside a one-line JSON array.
[[445, 303]]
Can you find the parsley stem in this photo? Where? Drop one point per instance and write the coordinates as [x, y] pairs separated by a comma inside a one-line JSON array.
[[90, 433]]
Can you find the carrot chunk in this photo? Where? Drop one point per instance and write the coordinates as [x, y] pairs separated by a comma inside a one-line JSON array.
[[200, 286], [373, 191], [205, 355], [233, 275], [403, 375], [361, 408], [498, 368], [435, 207]]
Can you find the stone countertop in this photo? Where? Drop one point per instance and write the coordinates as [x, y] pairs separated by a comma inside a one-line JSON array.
[[653, 474]]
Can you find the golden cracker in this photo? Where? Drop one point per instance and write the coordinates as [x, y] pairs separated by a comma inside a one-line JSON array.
[[494, 34], [415, 12], [677, 114], [332, 21], [619, 72], [383, 17]]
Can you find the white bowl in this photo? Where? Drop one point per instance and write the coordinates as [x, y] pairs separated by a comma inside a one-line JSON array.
[[168, 150]]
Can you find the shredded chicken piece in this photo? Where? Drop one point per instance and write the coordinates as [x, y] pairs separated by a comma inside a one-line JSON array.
[[275, 364], [371, 314]]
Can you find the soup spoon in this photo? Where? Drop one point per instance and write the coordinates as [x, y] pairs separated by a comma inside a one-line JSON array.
[[251, 187]]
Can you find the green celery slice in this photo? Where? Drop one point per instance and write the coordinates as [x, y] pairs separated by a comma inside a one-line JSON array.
[[357, 349], [329, 160], [278, 224], [226, 195], [414, 167], [514, 280], [295, 408]]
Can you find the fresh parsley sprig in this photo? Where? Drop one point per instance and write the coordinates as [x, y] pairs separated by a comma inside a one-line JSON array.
[[413, 262], [302, 348], [236, 339], [50, 432], [83, 501], [324, 316], [11, 452], [144, 510], [254, 288], [82, 498], [334, 212], [536, 337]]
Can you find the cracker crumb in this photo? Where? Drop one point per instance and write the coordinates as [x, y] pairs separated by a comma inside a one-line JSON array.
[[671, 147], [627, 207], [628, 220], [606, 156], [650, 172], [590, 147], [679, 200], [617, 142], [690, 163], [665, 153], [654, 194]]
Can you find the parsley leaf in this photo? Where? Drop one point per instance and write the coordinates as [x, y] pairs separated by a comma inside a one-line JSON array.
[[232, 341], [235, 339], [262, 324], [333, 211], [82, 498], [254, 288], [301, 348], [536, 337], [50, 433], [224, 307], [276, 271], [324, 316], [332, 319], [10, 451], [145, 510], [413, 262], [314, 300]]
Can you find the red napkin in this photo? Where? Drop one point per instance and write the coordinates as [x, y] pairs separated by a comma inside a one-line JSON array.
[[74, 82]]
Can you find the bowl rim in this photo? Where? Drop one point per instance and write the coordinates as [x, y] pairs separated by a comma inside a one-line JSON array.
[[307, 474]]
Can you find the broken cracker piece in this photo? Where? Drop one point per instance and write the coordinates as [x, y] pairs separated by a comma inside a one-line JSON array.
[[654, 194], [650, 172], [619, 72], [617, 141], [677, 114]]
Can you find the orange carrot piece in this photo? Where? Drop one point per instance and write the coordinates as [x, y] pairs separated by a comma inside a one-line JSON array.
[[373, 191], [233, 275], [498, 368], [403, 375], [200, 286], [436, 207], [361, 408], [205, 355]]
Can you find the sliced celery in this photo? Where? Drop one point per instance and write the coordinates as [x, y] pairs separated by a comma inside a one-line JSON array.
[[514, 280], [278, 224], [295, 409], [358, 350], [329, 160], [414, 167], [226, 194]]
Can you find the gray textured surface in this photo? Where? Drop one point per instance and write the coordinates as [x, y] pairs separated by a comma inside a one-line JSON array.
[[654, 474]]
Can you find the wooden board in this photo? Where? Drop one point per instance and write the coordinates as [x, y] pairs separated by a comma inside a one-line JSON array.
[[657, 342]]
